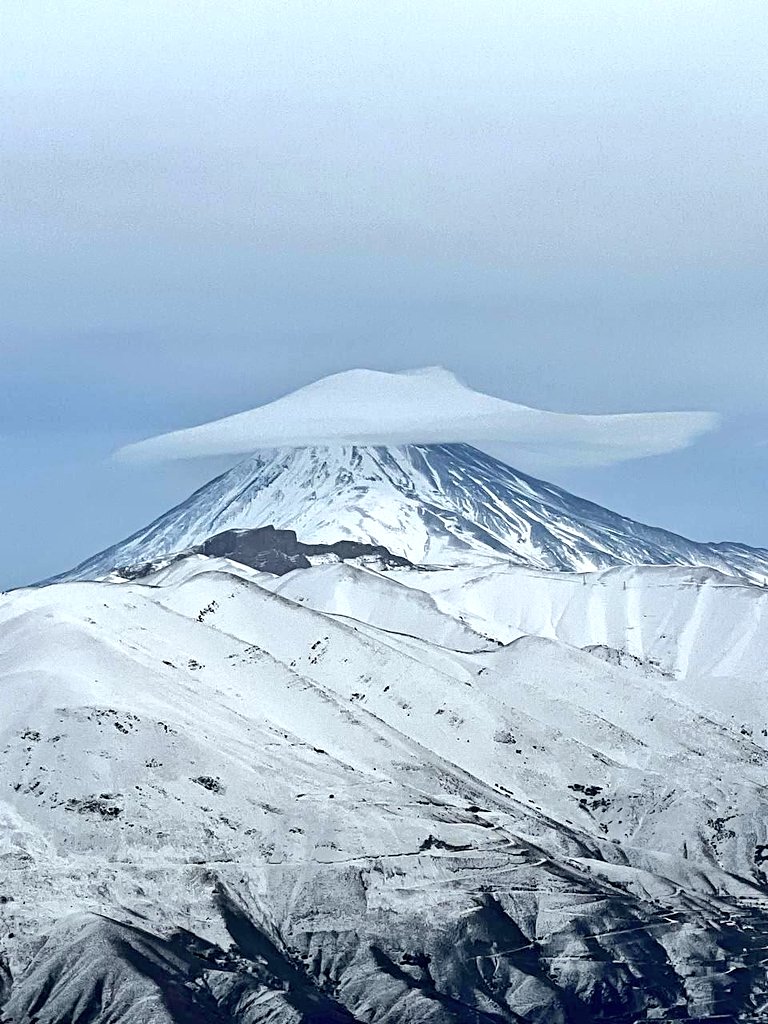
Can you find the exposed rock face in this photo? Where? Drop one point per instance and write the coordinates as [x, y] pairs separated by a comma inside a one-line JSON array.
[[273, 551], [280, 551], [93, 969]]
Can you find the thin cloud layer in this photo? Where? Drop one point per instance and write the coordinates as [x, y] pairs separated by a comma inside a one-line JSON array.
[[427, 406]]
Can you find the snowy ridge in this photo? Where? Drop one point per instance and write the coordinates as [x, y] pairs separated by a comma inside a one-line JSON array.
[[228, 800], [432, 504], [691, 622]]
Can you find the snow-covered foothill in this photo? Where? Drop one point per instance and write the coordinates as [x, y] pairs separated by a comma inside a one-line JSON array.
[[229, 798]]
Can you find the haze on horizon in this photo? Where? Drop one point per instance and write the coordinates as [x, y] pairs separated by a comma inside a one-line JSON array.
[[208, 206]]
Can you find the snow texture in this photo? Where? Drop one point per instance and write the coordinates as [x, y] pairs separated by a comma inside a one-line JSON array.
[[335, 796], [432, 504], [480, 790]]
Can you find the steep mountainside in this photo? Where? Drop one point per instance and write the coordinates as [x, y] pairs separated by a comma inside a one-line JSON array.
[[431, 504]]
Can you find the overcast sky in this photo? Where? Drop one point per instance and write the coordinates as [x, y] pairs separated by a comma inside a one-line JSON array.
[[206, 205]]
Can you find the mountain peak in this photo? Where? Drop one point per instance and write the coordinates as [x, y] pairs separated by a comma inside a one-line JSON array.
[[440, 504]]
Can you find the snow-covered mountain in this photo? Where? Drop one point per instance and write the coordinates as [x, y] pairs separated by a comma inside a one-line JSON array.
[[333, 797], [452, 786], [432, 504]]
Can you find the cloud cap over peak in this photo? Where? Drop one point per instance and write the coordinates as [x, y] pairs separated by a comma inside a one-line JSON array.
[[426, 406]]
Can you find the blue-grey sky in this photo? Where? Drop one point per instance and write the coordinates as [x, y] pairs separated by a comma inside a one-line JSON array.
[[205, 205]]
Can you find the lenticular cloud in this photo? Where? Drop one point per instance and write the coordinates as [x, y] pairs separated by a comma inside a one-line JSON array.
[[428, 406]]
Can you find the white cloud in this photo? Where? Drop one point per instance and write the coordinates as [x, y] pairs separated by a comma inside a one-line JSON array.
[[427, 406]]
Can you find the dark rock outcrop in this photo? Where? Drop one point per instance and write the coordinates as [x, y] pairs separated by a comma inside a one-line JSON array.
[[280, 551], [273, 551]]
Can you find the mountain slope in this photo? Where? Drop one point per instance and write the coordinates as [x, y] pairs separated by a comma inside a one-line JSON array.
[[223, 805], [691, 623], [432, 504]]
